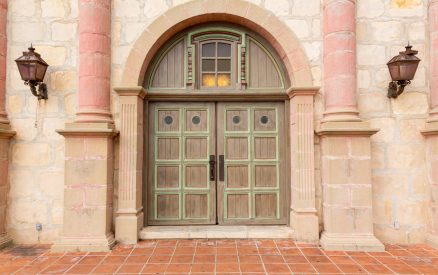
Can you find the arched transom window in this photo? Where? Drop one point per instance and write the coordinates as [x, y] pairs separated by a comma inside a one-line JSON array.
[[216, 58]]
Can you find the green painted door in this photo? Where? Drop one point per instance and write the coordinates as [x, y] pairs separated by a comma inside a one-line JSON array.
[[245, 141], [252, 180], [181, 189]]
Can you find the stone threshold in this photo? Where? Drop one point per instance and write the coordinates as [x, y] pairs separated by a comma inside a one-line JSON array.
[[216, 232]]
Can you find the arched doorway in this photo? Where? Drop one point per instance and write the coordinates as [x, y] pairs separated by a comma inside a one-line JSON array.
[[216, 153], [300, 91]]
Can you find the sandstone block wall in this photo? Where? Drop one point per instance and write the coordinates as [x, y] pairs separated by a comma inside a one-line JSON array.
[[399, 176]]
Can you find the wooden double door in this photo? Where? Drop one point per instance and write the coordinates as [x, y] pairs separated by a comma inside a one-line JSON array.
[[216, 163]]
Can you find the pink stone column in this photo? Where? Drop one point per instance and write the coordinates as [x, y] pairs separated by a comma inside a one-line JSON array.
[[339, 20], [94, 61], [433, 30], [5, 133], [3, 46], [431, 130]]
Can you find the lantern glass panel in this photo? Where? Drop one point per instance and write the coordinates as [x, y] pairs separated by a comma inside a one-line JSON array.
[[407, 70], [394, 70], [27, 71], [41, 71]]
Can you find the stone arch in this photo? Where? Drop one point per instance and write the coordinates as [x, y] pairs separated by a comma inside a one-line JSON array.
[[240, 12]]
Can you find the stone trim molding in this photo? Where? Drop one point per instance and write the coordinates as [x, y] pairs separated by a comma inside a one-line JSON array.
[[303, 216], [5, 135], [240, 12], [130, 215], [345, 128]]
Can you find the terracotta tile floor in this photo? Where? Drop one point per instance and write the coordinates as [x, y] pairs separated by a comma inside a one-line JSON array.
[[220, 257]]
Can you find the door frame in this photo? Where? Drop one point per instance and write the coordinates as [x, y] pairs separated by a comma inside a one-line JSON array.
[[216, 96]]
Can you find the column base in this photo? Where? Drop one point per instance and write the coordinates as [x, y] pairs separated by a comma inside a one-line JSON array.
[[128, 227], [104, 244], [432, 240], [351, 242], [305, 226], [5, 240]]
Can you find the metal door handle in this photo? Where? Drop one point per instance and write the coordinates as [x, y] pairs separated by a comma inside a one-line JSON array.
[[221, 167], [212, 166]]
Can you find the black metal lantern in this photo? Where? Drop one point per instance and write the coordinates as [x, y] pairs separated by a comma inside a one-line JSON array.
[[402, 69], [32, 69]]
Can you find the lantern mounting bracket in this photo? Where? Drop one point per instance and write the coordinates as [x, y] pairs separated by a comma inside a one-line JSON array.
[[42, 89], [395, 88]]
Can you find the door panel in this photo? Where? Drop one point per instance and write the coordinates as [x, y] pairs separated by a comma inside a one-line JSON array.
[[181, 140], [251, 138]]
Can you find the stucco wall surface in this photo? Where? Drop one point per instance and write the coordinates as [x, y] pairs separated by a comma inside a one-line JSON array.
[[399, 176]]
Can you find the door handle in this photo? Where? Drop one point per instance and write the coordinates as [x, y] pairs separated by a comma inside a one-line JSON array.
[[221, 167], [212, 167]]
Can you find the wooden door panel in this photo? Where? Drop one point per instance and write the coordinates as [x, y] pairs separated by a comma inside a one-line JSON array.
[[237, 206], [196, 148], [167, 176], [167, 206], [237, 176], [237, 120], [266, 205], [254, 187], [196, 176], [182, 137], [236, 148], [265, 175], [196, 206], [168, 148]]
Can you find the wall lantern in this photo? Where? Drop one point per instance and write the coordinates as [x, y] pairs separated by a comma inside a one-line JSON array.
[[402, 69], [32, 69]]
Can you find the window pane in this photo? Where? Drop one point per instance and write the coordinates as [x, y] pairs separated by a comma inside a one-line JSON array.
[[223, 80], [208, 50], [208, 65], [208, 80], [223, 65], [223, 50]]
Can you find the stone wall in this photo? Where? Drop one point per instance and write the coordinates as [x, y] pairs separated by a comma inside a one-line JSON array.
[[37, 153], [383, 27], [399, 171]]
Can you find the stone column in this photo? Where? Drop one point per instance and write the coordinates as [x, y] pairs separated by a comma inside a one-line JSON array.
[[339, 18], [303, 215], [433, 32], [431, 131], [130, 217], [3, 47], [94, 61], [89, 152], [345, 139], [5, 130]]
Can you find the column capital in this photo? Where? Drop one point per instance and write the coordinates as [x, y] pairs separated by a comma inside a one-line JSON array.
[[302, 91], [131, 91]]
